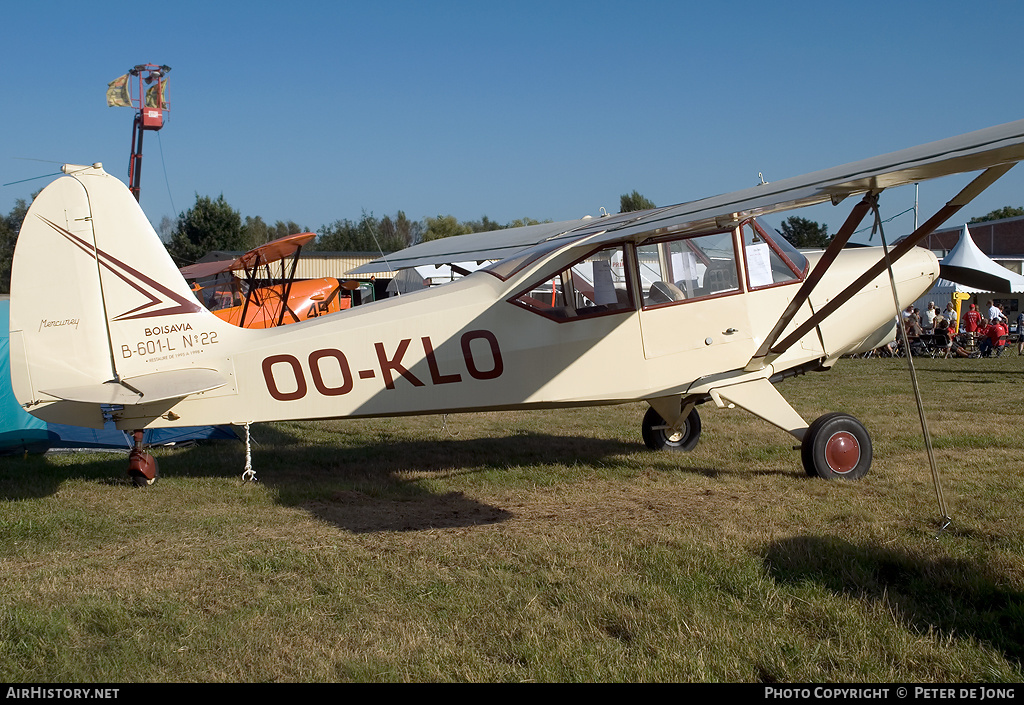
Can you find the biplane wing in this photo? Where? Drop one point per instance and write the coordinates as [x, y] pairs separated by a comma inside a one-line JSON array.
[[202, 270], [279, 249], [273, 251], [672, 300], [266, 303]]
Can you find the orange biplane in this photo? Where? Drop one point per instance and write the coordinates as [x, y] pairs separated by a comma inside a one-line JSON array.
[[248, 293]]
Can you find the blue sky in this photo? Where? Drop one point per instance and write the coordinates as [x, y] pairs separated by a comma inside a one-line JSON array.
[[317, 111]]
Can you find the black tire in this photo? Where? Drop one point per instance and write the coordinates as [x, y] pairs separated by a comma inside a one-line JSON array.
[[140, 480], [836, 446], [657, 437]]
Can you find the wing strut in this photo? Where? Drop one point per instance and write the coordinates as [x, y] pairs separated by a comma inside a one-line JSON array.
[[979, 184], [870, 199], [946, 520]]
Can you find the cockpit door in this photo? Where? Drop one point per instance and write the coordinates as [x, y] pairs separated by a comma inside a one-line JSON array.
[[693, 302]]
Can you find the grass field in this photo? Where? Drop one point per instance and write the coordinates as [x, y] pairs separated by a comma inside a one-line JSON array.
[[537, 546]]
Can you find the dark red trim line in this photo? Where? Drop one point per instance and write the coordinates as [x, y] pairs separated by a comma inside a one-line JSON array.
[[133, 278]]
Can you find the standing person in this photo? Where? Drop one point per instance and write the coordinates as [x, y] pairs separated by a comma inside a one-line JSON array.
[[993, 311], [950, 316], [1020, 333], [972, 319], [929, 317]]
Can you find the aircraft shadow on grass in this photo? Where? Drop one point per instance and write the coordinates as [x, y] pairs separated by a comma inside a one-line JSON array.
[[367, 487], [957, 598], [358, 487], [362, 487]]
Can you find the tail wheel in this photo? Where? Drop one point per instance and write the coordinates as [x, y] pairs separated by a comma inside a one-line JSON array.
[[836, 446], [659, 436], [140, 480], [142, 468]]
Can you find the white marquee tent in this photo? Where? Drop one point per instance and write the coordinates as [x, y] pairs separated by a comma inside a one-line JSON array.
[[975, 271], [969, 270]]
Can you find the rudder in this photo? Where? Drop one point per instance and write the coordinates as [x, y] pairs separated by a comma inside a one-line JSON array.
[[91, 282]]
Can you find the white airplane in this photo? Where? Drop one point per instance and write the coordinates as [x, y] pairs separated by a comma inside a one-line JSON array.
[[674, 306]]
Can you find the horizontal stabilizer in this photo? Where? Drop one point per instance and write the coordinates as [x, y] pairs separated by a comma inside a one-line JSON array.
[[144, 389]]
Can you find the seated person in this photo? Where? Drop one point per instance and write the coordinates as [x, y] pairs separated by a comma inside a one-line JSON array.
[[984, 341], [999, 335], [943, 334], [959, 351], [991, 338]]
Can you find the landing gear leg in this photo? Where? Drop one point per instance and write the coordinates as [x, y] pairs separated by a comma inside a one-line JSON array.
[[142, 467]]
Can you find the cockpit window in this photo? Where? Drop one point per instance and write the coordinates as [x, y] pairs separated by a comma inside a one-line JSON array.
[[688, 268], [597, 284], [770, 260]]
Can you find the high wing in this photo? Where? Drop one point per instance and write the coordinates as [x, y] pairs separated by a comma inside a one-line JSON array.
[[1001, 145], [474, 247], [994, 150]]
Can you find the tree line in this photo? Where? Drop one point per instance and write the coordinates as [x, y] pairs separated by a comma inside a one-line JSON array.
[[212, 224]]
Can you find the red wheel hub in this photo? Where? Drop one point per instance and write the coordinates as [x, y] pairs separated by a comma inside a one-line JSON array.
[[842, 452]]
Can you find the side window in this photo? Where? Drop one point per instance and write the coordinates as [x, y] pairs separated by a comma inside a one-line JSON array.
[[767, 262], [597, 284], [688, 268]]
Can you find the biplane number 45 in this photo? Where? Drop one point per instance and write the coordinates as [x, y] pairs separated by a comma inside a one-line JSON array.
[[673, 300]]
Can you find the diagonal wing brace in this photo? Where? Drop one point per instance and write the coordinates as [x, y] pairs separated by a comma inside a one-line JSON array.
[[770, 349]]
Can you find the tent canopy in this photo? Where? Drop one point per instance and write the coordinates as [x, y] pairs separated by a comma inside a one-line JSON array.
[[966, 264]]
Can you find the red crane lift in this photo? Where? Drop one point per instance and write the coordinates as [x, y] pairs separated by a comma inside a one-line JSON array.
[[144, 88], [149, 98]]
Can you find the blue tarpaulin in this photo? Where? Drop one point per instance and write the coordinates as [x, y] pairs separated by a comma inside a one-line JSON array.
[[21, 432]]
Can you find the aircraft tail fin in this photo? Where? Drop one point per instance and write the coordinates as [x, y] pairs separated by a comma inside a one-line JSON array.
[[93, 296]]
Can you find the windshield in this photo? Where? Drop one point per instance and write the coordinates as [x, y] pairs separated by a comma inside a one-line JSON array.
[[503, 269], [783, 247]]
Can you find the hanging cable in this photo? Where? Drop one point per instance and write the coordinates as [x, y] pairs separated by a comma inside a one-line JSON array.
[[887, 220], [373, 234], [248, 475], [945, 519], [445, 429], [166, 180]]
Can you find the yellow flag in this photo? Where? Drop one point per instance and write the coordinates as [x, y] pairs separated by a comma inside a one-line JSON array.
[[118, 94]]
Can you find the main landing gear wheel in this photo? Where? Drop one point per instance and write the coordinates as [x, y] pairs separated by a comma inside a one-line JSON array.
[[658, 436], [836, 445]]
